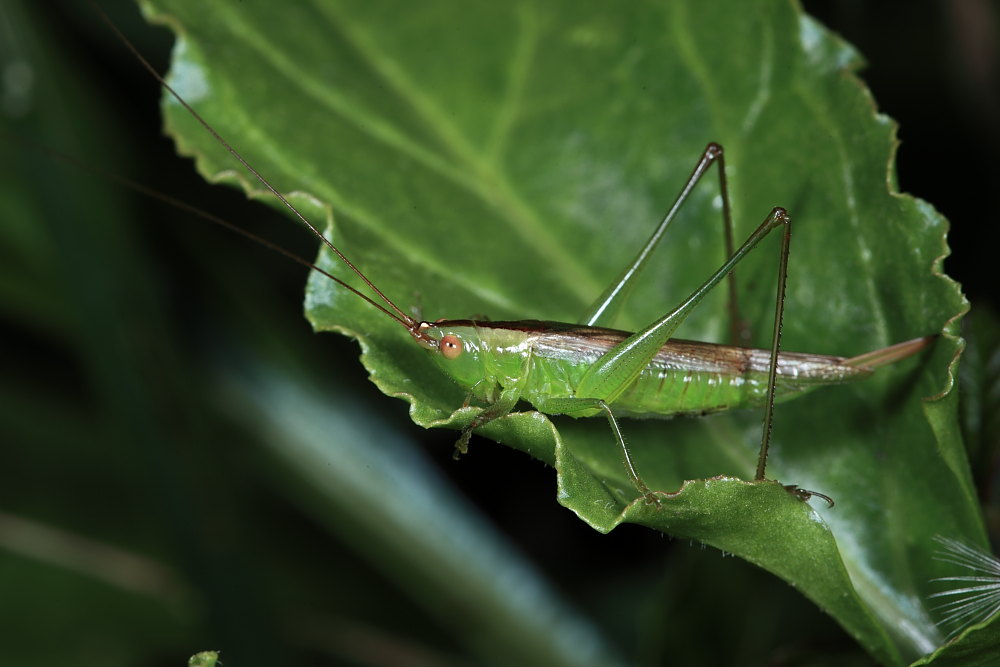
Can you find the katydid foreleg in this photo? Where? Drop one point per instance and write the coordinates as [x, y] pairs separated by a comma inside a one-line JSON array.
[[501, 407]]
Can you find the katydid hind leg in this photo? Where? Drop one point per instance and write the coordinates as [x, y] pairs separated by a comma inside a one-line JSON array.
[[617, 369], [779, 313], [606, 308], [772, 374], [739, 330], [610, 375]]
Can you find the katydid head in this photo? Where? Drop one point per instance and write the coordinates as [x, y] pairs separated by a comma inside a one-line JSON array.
[[458, 349]]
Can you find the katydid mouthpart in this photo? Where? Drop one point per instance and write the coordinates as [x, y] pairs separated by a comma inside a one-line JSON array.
[[585, 369]]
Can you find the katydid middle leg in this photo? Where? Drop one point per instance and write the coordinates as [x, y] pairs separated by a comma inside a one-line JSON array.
[[571, 406]]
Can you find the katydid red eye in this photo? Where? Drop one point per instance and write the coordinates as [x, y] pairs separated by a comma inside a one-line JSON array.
[[451, 346]]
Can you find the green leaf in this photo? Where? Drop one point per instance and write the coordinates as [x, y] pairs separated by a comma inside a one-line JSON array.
[[507, 159]]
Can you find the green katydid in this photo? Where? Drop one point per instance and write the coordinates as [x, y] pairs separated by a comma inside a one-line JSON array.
[[585, 370]]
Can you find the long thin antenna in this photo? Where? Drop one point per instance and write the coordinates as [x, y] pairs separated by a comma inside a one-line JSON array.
[[411, 324], [194, 210]]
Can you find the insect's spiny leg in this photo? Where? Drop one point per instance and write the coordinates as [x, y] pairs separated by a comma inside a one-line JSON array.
[[779, 311], [739, 331], [633, 474]]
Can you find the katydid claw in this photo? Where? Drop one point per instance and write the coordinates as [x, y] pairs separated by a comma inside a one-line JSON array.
[[805, 494]]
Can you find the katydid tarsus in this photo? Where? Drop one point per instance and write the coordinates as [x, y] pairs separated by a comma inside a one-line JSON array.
[[586, 370]]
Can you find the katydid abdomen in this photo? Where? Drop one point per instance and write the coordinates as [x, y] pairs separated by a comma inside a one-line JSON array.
[[544, 361], [689, 377]]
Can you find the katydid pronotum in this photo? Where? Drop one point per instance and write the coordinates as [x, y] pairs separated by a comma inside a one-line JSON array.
[[585, 370]]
